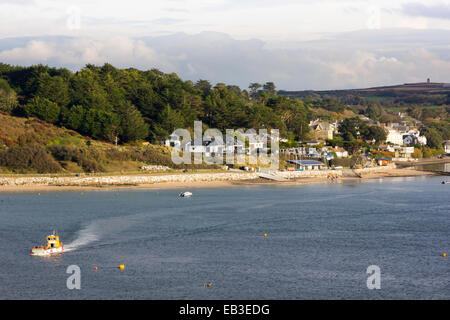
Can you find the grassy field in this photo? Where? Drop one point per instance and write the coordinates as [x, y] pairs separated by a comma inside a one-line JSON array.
[[401, 109], [377, 98]]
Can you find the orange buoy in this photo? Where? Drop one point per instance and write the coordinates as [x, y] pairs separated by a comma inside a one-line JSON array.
[[444, 254], [95, 268]]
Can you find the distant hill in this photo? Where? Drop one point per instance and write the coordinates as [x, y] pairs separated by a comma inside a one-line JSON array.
[[421, 88]]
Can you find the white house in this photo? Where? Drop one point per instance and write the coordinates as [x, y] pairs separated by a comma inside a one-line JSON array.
[[394, 137], [173, 141], [255, 141], [340, 152], [195, 146], [413, 137], [406, 152], [446, 146]]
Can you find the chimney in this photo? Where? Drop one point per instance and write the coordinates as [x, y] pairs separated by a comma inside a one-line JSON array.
[[428, 80]]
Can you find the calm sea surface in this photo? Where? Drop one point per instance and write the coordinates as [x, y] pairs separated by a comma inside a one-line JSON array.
[[320, 240]]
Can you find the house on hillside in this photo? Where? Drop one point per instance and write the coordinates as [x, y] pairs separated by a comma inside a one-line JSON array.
[[413, 137], [195, 146], [340, 152], [394, 137], [322, 130], [446, 146], [173, 141], [256, 142]]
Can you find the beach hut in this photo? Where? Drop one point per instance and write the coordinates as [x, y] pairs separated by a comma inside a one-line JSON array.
[[384, 161], [307, 164]]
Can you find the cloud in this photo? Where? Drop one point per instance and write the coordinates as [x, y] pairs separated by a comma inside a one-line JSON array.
[[34, 51], [346, 60], [416, 9], [74, 53]]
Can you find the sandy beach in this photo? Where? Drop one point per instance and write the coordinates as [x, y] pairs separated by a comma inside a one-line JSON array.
[[391, 172]]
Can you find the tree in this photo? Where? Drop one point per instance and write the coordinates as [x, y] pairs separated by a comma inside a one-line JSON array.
[[374, 111], [87, 91], [74, 117], [434, 138], [100, 124], [350, 128], [55, 89], [203, 85], [169, 120], [376, 133], [254, 87], [352, 147], [132, 125], [415, 112], [269, 87], [417, 153], [8, 97], [43, 108], [142, 95]]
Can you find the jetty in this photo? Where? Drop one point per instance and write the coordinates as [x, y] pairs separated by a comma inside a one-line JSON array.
[[272, 176]]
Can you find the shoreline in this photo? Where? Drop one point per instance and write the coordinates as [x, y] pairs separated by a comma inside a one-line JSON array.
[[422, 162], [225, 182]]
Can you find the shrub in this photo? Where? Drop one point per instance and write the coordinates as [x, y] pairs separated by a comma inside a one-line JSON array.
[[66, 153], [33, 158]]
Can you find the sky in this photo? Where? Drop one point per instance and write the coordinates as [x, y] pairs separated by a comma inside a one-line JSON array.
[[297, 44]]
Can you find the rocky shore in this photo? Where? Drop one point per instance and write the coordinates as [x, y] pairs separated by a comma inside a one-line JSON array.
[[31, 183]]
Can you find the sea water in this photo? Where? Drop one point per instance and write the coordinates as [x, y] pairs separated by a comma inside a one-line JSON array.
[[310, 241]]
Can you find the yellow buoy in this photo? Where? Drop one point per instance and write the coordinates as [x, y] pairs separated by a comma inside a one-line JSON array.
[[121, 267], [444, 254], [265, 234]]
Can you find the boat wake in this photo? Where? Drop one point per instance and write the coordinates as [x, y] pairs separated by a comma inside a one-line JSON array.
[[85, 236], [102, 229]]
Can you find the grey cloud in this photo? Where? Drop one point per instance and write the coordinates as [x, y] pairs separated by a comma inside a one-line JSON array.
[[416, 9], [349, 60], [94, 21]]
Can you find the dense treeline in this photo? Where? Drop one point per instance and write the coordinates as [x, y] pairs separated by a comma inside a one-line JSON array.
[[107, 103]]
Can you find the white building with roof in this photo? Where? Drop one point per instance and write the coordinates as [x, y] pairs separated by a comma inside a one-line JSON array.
[[394, 137]]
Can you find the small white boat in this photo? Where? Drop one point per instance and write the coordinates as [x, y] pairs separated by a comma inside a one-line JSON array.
[[186, 194], [445, 182], [54, 246]]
